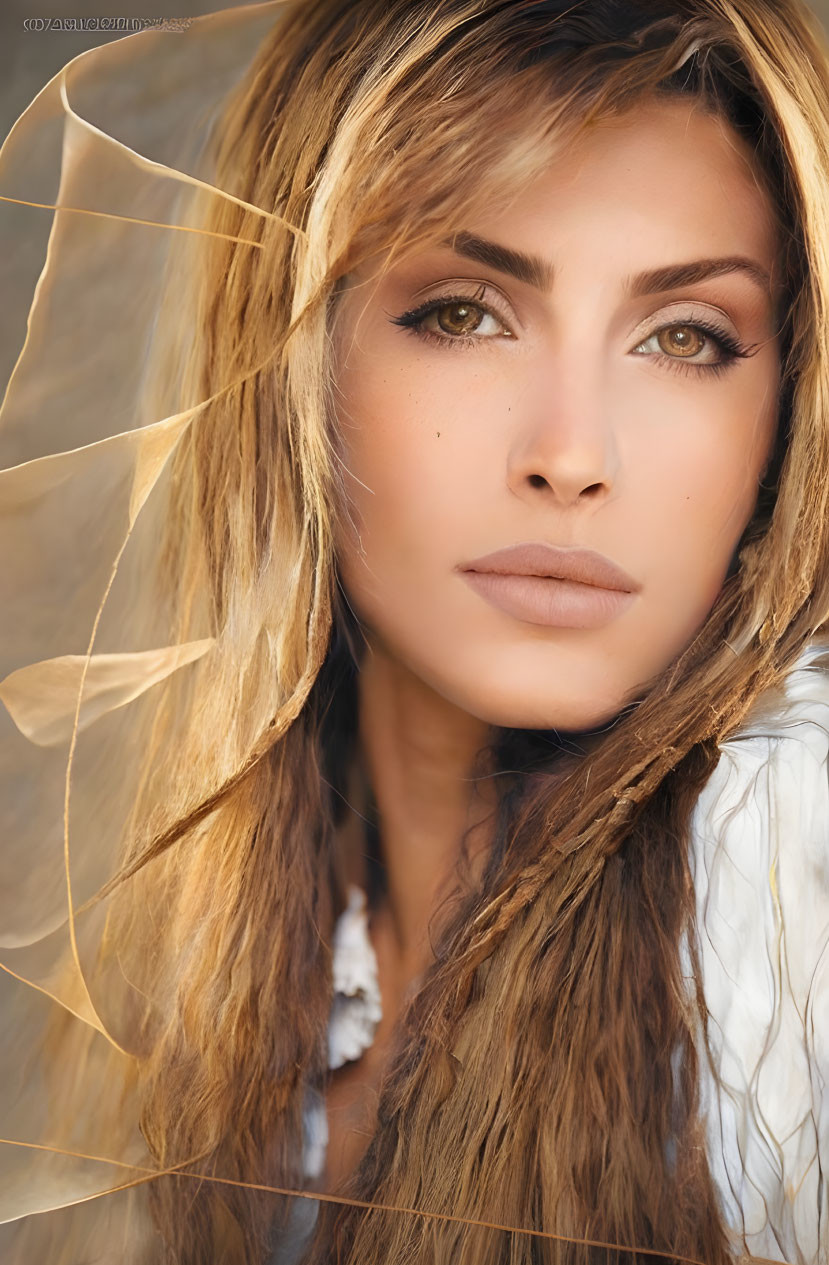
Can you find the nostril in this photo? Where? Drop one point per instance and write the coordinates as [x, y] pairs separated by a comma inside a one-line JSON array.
[[538, 481]]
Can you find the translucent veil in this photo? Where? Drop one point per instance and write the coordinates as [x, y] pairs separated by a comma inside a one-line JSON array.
[[105, 179]]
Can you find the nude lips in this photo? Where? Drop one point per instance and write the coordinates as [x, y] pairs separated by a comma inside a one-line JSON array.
[[544, 584]]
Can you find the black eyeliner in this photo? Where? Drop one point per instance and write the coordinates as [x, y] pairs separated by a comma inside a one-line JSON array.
[[730, 348]]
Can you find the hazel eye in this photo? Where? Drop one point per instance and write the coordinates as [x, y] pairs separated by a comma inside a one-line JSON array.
[[681, 340], [455, 319], [459, 318], [691, 342], [695, 347]]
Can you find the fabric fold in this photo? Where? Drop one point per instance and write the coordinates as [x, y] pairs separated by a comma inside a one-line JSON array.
[[42, 698]]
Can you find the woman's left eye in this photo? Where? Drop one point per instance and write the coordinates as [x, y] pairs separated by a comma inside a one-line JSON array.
[[700, 346]]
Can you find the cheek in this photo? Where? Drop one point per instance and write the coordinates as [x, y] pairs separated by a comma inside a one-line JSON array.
[[420, 451], [697, 473]]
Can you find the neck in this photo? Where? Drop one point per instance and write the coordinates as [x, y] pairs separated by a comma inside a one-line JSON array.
[[418, 752]]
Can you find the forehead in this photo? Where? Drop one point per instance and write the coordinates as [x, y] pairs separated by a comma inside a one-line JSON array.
[[665, 177]]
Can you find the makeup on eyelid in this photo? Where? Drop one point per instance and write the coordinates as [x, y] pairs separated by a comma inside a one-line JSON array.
[[730, 348]]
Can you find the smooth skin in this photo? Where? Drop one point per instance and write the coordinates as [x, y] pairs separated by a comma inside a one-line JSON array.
[[583, 406]]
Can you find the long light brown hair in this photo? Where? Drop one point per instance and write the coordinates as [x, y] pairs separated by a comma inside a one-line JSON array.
[[544, 1076]]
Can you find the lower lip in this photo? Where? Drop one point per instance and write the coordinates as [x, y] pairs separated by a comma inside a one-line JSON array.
[[538, 599]]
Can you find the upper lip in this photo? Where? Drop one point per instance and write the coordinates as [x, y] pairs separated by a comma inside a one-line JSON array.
[[584, 566]]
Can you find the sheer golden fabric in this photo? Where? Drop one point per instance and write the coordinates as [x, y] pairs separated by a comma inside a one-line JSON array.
[[102, 178]]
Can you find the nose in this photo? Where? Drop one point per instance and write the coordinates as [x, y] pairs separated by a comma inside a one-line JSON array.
[[563, 445]]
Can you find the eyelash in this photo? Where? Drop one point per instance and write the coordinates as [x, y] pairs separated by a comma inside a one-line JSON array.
[[729, 347]]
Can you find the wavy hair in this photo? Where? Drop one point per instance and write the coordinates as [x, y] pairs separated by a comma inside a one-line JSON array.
[[568, 1104]]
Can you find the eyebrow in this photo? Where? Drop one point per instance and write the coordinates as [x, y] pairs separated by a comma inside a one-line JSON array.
[[528, 268], [538, 272]]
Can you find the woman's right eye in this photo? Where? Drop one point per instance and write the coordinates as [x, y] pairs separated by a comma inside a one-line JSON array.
[[455, 319]]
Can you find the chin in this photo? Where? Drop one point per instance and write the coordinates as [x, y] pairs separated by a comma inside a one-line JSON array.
[[570, 712]]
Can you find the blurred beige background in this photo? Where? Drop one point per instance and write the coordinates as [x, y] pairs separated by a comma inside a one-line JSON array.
[[29, 59]]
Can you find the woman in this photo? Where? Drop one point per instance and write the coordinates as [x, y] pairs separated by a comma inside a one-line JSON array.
[[443, 643]]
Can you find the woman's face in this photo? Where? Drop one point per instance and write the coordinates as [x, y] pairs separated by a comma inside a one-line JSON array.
[[596, 369]]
